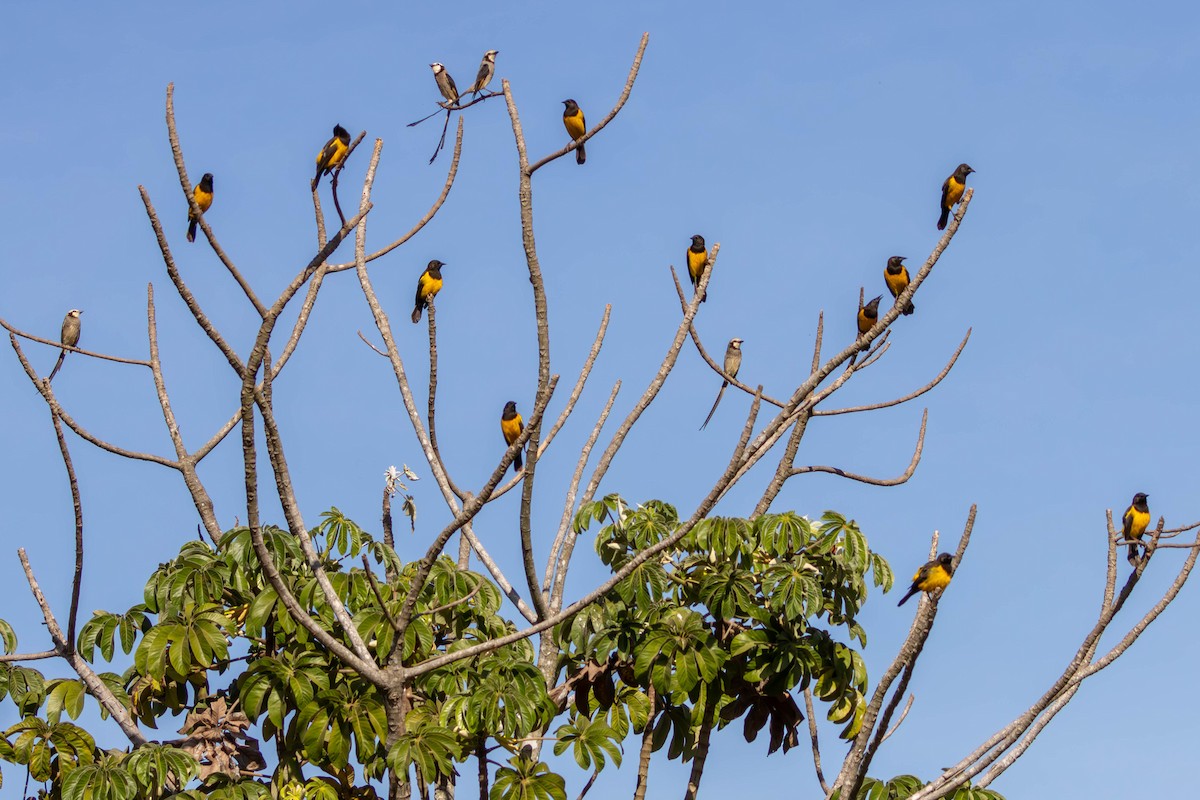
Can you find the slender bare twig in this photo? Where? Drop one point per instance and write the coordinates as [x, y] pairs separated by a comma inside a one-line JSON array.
[[903, 715], [13, 658], [77, 505], [184, 292], [431, 316], [569, 502], [378, 594], [95, 686], [60, 346], [186, 185], [902, 478], [447, 606], [910, 396], [816, 360], [812, 734]]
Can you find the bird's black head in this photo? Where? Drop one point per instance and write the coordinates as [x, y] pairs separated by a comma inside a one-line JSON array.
[[871, 309], [1139, 500], [206, 182], [435, 264], [698, 242], [571, 105], [341, 133], [963, 171], [895, 263], [510, 409]]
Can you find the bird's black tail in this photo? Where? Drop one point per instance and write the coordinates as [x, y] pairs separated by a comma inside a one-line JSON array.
[[518, 462], [191, 236], [58, 364], [1133, 548], [904, 599], [416, 315], [580, 155], [943, 219], [908, 309], [716, 402]]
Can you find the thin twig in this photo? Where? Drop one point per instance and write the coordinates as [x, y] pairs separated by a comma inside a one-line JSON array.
[[902, 478], [60, 346]]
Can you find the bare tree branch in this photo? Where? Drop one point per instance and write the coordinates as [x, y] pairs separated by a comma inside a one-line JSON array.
[[528, 170], [186, 185], [77, 505], [95, 687], [60, 346], [912, 395], [812, 734], [902, 478]]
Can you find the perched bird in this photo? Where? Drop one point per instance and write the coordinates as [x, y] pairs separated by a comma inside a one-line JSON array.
[[697, 259], [487, 68], [866, 318], [428, 285], [896, 277], [1135, 521], [445, 83], [202, 193], [511, 426], [934, 575], [733, 362], [576, 127], [952, 192], [332, 154], [70, 337]]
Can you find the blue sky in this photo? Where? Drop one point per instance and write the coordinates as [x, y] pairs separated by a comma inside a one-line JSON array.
[[810, 141]]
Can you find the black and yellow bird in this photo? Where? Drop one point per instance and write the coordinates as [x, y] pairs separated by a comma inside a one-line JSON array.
[[444, 83], [867, 315], [896, 277], [332, 154], [952, 192], [202, 193], [428, 285], [576, 127], [487, 68], [68, 337], [1135, 522], [933, 576], [511, 426], [733, 362], [697, 260]]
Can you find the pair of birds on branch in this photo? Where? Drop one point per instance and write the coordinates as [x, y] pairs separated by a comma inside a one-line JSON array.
[[445, 84]]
